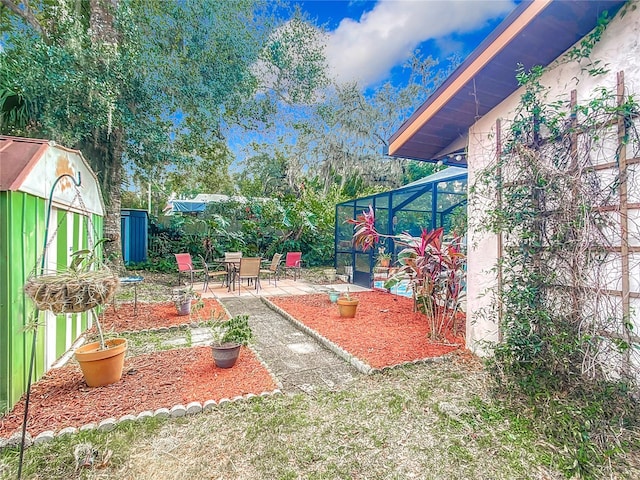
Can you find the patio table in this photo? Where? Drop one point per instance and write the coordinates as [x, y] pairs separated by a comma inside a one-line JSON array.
[[231, 266]]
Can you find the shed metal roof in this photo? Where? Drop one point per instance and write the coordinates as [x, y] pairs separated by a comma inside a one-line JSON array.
[[17, 158], [535, 33], [33, 165]]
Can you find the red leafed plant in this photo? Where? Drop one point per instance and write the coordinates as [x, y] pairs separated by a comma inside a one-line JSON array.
[[434, 266]]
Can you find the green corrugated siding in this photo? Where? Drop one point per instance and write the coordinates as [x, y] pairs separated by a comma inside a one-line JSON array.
[[34, 214], [61, 248], [22, 224], [77, 244], [21, 227], [5, 316]]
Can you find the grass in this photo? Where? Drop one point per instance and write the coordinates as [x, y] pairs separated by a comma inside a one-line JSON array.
[[428, 421]]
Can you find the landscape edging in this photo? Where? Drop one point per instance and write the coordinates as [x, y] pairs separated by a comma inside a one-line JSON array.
[[111, 423], [357, 363]]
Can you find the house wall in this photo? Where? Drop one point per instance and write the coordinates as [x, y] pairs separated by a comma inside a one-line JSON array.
[[618, 50]]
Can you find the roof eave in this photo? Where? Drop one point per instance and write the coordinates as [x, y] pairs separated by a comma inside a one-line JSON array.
[[512, 26]]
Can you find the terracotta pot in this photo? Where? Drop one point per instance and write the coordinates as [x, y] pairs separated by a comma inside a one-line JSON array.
[[102, 367], [225, 355], [347, 308], [184, 308]]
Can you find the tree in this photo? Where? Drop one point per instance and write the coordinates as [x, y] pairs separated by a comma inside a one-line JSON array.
[[265, 176], [144, 82], [339, 138]]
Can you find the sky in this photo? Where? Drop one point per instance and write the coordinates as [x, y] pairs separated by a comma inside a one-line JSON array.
[[369, 40]]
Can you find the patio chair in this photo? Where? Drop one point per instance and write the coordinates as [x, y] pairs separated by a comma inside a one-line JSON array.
[[293, 262], [273, 269], [232, 255], [249, 270], [185, 265], [232, 263], [213, 271]]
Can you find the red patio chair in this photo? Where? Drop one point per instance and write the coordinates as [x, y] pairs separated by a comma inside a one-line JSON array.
[[293, 262], [185, 265]]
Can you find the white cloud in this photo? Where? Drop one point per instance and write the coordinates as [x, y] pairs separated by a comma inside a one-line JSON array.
[[366, 50]]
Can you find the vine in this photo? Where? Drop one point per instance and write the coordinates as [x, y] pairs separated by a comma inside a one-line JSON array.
[[568, 348]]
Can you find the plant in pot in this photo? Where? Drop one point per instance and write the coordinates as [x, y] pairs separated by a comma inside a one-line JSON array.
[[228, 337], [347, 305], [330, 274], [333, 295], [83, 286], [182, 298], [384, 258]]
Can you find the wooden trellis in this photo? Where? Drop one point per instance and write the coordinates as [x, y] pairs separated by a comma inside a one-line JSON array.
[[624, 248]]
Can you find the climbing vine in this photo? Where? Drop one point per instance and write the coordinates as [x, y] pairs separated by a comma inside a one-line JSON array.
[[555, 195]]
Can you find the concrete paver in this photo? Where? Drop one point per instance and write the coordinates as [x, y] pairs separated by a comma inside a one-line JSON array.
[[299, 362]]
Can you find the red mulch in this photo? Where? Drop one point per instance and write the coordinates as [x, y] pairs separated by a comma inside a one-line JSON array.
[[155, 315], [384, 332], [161, 379]]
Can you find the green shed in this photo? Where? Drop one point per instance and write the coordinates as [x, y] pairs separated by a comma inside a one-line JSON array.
[[28, 170]]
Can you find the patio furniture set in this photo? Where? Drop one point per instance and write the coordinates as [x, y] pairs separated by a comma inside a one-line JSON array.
[[234, 267]]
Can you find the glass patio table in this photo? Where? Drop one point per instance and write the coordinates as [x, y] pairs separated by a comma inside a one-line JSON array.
[[231, 265], [133, 280]]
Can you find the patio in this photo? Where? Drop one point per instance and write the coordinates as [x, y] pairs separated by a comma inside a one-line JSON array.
[[284, 287]]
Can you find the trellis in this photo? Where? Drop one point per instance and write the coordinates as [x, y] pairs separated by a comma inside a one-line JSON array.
[[620, 156]]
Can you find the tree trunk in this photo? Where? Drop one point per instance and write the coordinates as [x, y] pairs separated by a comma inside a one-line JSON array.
[[104, 153], [107, 149]]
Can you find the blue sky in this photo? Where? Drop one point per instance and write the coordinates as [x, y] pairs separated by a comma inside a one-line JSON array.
[[368, 40]]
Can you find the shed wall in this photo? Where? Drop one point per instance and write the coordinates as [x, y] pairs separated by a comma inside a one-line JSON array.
[[22, 229], [134, 230]]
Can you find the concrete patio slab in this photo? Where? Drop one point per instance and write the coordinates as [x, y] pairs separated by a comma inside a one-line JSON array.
[[284, 287]]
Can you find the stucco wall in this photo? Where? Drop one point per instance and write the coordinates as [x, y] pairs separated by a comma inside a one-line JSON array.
[[619, 50]]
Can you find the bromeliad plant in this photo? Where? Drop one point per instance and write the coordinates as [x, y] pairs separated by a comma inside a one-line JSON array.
[[434, 267]]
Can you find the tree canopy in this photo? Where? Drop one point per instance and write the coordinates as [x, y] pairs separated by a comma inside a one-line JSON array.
[[144, 83]]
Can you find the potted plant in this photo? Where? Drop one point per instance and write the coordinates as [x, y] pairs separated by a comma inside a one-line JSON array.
[[330, 274], [79, 288], [182, 299], [347, 305], [228, 337], [333, 295], [85, 285], [384, 258]]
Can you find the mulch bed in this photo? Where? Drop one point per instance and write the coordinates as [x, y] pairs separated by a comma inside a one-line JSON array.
[[161, 379], [385, 331], [121, 318]]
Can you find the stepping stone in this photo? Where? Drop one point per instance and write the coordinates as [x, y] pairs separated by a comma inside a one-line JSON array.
[[302, 347]]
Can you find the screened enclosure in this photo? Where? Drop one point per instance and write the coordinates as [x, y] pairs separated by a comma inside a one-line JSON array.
[[431, 202]]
